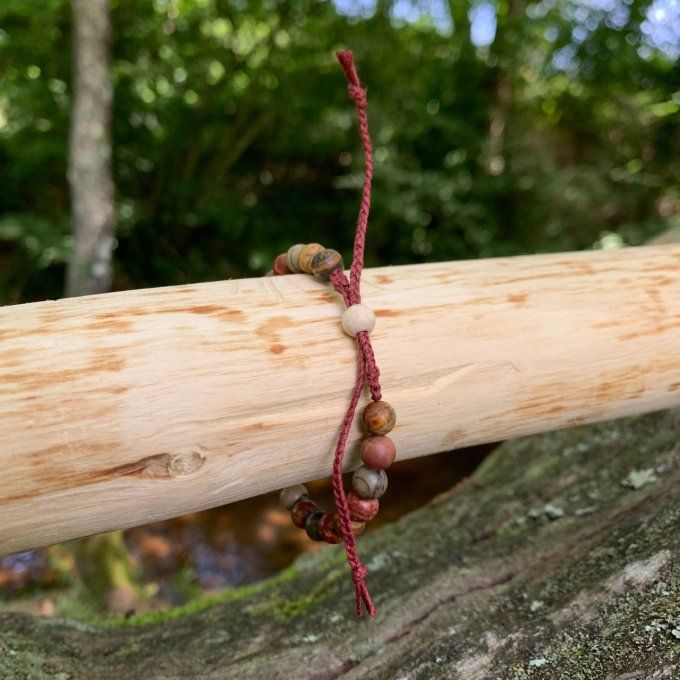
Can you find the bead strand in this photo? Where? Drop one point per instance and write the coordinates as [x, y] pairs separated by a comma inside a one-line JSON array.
[[369, 481]]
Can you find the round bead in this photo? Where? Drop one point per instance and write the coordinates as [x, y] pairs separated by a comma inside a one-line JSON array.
[[293, 257], [291, 495], [301, 511], [306, 255], [378, 452], [356, 526], [358, 318], [280, 266], [379, 417], [369, 483], [328, 530], [313, 525], [362, 509], [325, 262]]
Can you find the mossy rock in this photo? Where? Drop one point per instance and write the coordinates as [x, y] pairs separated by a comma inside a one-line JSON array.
[[558, 559]]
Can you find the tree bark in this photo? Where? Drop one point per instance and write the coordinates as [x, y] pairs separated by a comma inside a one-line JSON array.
[[89, 173], [558, 559]]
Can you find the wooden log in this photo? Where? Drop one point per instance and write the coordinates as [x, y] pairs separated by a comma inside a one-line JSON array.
[[121, 409]]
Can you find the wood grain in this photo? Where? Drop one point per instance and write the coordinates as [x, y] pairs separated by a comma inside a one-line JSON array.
[[121, 409]]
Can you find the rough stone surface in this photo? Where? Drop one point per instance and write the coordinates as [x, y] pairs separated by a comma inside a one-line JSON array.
[[548, 563]]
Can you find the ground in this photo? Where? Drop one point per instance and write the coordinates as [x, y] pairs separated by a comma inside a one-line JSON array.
[[558, 559]]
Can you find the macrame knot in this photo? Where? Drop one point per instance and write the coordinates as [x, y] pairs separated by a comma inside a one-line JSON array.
[[359, 573], [358, 95]]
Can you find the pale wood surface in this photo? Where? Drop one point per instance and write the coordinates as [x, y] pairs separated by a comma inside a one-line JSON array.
[[121, 409]]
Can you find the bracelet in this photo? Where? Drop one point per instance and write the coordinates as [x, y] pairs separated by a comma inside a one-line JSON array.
[[378, 452]]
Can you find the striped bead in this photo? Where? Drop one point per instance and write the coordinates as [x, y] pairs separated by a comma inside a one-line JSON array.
[[369, 483], [328, 529], [301, 511], [280, 266], [379, 417], [325, 262], [291, 495], [306, 256], [378, 452], [293, 257], [362, 509], [313, 525]]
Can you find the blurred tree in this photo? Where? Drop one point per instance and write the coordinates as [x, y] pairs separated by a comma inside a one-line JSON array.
[[102, 561], [89, 171]]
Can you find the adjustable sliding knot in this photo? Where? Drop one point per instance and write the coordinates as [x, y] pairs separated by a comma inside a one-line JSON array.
[[358, 95]]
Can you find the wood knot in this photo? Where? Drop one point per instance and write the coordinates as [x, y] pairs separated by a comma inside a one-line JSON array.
[[167, 465]]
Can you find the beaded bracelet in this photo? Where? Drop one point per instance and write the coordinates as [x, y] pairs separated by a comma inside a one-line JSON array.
[[378, 452]]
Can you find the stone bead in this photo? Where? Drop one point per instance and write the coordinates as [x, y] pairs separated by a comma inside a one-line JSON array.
[[306, 256], [280, 266], [362, 509], [369, 483], [301, 511], [313, 525], [356, 526], [358, 318], [378, 452], [291, 495], [379, 417], [328, 529], [293, 257], [325, 262]]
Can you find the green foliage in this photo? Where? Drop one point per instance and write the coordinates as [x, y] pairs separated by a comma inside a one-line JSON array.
[[234, 137]]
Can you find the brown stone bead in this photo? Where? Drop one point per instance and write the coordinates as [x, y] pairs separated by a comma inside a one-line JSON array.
[[301, 511], [369, 483], [328, 529], [306, 256], [280, 266], [356, 526], [379, 417], [362, 509], [378, 452], [325, 262], [293, 257], [313, 525], [291, 495]]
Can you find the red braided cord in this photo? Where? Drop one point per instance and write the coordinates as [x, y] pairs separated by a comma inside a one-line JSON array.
[[367, 368]]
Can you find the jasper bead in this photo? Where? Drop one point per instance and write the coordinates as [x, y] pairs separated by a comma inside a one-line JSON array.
[[313, 525], [280, 266], [291, 495], [369, 483], [379, 417], [306, 255], [293, 257], [358, 318], [356, 526], [378, 452], [328, 529], [362, 509], [301, 511], [325, 262]]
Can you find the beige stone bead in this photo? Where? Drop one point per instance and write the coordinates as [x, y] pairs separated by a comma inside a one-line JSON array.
[[306, 256], [369, 483], [293, 257], [358, 318], [291, 495]]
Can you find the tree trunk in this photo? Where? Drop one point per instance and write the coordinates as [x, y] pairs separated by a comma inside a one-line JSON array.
[[89, 171], [102, 561], [558, 559]]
